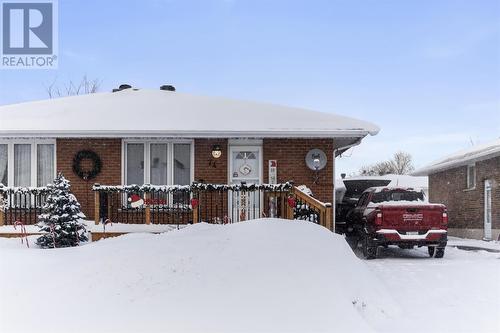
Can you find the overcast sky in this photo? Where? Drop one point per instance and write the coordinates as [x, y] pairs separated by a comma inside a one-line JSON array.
[[427, 72]]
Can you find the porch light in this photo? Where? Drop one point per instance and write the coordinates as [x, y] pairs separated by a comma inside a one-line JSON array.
[[216, 151]]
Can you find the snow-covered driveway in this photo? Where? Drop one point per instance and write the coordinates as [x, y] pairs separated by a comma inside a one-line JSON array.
[[459, 293]]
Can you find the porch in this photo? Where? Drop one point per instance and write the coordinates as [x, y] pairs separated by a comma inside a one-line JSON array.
[[176, 205]]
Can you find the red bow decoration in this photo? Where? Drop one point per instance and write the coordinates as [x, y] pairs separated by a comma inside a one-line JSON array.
[[194, 202]]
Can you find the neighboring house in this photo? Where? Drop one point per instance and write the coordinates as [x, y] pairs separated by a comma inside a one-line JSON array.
[[164, 137], [467, 182]]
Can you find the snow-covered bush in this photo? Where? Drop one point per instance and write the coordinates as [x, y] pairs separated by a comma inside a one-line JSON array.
[[60, 217]]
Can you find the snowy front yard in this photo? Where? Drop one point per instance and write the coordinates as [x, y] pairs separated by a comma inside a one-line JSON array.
[[258, 276]]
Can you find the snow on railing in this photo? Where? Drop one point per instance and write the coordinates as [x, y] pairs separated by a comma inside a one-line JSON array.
[[21, 204]]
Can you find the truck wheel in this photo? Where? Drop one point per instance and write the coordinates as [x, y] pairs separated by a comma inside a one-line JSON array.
[[369, 251], [431, 249], [439, 252]]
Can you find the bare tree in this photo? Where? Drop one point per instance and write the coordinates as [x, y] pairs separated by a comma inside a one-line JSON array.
[[400, 164], [84, 86]]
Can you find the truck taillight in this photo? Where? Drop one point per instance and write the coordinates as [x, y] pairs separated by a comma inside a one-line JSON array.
[[378, 218], [445, 218]]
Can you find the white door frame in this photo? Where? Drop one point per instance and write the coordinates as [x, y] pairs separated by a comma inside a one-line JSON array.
[[488, 184], [232, 149]]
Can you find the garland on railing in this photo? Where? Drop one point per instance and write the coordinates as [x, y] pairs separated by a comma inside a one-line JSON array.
[[193, 187], [23, 190], [141, 188], [243, 187]]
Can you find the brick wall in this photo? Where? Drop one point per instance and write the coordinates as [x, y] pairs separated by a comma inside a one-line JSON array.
[[466, 207], [206, 168], [290, 154], [110, 152]]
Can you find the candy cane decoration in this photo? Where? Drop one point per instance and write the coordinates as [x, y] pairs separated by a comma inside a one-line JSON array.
[[104, 225], [24, 234]]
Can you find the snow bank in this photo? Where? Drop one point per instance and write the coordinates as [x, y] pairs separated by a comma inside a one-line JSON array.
[[265, 275]]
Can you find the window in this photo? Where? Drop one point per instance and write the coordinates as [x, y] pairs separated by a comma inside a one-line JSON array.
[[45, 171], [157, 163], [397, 195], [182, 164], [471, 176], [4, 163], [22, 165], [135, 163], [27, 162], [362, 200]]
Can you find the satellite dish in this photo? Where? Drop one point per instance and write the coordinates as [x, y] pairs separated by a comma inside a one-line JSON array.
[[316, 159]]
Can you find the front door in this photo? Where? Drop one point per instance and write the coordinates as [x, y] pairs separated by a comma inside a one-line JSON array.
[[245, 167], [487, 209]]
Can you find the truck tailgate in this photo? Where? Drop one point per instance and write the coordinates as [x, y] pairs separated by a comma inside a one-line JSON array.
[[412, 217]]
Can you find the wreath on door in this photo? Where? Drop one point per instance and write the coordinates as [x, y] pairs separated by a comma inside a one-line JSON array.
[[87, 155]]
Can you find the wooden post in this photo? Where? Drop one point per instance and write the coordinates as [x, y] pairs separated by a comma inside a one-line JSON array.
[[147, 208], [289, 210], [97, 206], [109, 197], [329, 217], [195, 214], [2, 211]]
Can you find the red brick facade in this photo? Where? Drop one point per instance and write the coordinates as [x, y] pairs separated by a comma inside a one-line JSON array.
[[290, 154], [466, 206], [206, 168], [109, 151]]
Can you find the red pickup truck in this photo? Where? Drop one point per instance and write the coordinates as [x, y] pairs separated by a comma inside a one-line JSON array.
[[387, 216]]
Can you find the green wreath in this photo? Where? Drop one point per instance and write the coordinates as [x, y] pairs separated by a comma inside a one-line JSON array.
[[87, 174]]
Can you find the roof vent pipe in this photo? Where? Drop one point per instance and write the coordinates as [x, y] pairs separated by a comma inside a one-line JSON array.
[[167, 87], [122, 87]]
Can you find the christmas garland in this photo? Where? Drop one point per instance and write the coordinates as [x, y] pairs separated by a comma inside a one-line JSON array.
[[194, 187], [23, 190], [96, 161]]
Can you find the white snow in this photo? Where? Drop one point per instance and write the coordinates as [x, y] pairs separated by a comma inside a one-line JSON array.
[[266, 275], [92, 227], [149, 113], [403, 203], [401, 181], [458, 293], [126, 227], [463, 157], [398, 180]]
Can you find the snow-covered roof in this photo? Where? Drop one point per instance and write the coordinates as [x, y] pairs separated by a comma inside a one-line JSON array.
[[148, 113], [463, 157], [398, 180]]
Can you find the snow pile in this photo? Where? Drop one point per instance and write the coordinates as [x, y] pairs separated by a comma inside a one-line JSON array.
[[265, 275]]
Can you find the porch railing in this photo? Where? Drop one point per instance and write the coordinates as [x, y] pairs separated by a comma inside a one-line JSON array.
[[212, 203], [21, 204]]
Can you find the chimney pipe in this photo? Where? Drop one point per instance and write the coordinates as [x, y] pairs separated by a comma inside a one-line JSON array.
[[167, 87]]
